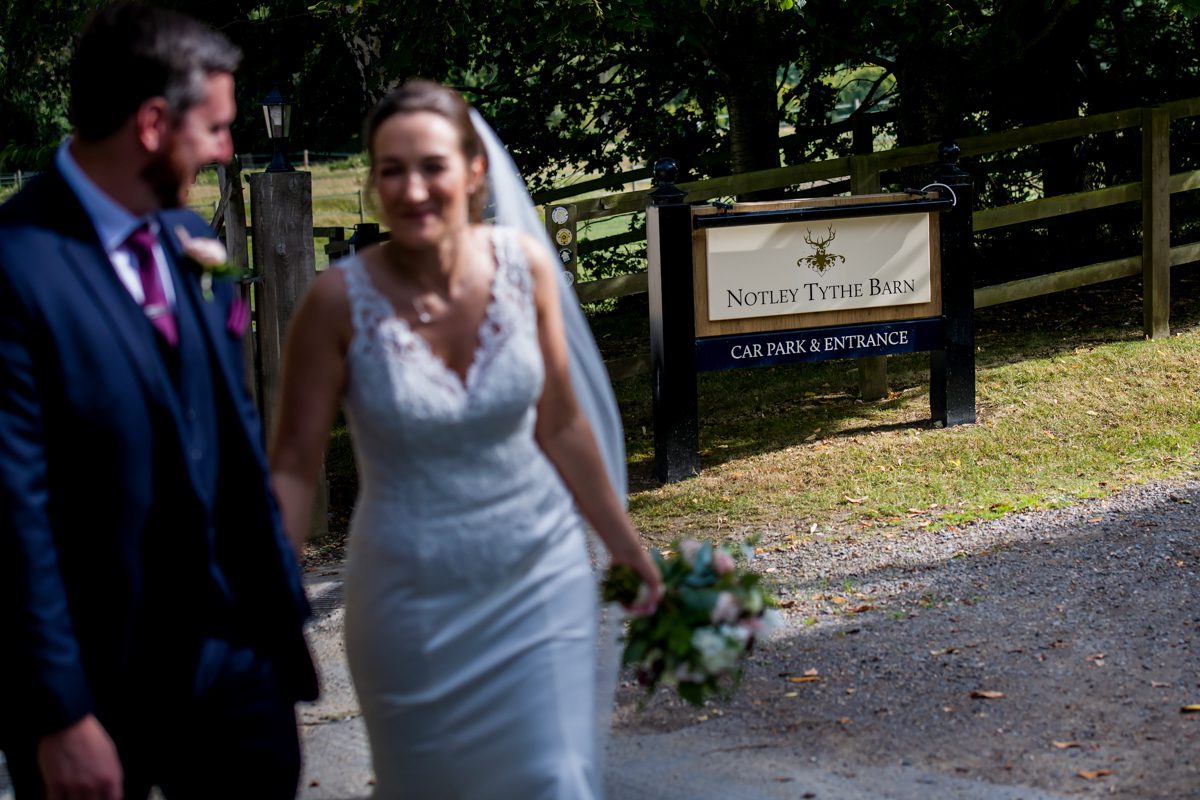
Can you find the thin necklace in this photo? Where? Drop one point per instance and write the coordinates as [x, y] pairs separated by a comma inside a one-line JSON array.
[[420, 305]]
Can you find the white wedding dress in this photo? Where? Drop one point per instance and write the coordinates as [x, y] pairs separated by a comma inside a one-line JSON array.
[[471, 610]]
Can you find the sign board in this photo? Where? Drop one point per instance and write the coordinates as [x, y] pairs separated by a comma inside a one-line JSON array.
[[817, 344], [792, 264], [804, 280], [827, 265]]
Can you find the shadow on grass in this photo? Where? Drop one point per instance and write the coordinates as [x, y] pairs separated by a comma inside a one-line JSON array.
[[755, 411]]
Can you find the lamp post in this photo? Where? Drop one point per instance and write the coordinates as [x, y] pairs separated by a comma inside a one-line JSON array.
[[277, 112]]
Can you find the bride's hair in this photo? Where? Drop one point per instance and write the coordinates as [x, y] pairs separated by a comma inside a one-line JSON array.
[[422, 95]]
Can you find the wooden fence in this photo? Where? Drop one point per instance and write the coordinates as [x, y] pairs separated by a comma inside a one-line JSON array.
[[863, 173]]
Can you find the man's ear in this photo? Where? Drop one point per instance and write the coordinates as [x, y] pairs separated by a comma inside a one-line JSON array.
[[152, 120]]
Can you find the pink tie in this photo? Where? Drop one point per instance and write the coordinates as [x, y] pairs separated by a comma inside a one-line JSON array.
[[141, 243]]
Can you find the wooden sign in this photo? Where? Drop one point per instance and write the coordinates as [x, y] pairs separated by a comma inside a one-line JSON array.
[[816, 272], [806, 280]]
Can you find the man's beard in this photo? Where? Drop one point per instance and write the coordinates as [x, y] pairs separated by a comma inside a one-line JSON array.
[[167, 179]]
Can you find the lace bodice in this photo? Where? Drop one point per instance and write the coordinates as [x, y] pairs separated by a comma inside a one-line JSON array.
[[456, 459]]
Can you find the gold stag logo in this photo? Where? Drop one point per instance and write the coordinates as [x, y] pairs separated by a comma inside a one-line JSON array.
[[821, 260]]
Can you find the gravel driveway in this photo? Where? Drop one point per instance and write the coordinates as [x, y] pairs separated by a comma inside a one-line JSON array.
[[1042, 654], [1037, 656]]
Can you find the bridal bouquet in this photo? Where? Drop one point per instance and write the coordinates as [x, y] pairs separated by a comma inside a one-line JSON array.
[[709, 616]]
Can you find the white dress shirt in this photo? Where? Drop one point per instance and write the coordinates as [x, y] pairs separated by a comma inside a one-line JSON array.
[[113, 224]]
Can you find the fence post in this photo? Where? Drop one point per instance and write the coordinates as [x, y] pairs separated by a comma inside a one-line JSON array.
[[1156, 222], [562, 224], [952, 369], [285, 257], [864, 179], [229, 178], [672, 328]]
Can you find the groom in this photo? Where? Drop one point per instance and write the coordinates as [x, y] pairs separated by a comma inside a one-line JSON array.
[[150, 608]]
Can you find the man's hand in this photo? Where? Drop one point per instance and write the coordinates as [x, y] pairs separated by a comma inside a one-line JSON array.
[[80, 763]]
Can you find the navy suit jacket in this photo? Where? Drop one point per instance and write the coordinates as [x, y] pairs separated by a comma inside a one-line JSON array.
[[109, 505]]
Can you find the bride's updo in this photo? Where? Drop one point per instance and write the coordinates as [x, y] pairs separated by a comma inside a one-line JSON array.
[[422, 95]]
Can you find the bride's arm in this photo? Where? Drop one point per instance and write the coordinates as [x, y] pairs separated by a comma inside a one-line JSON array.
[[566, 437], [314, 379]]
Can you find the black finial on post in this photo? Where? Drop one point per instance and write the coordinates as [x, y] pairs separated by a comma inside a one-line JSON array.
[[948, 153], [666, 170]]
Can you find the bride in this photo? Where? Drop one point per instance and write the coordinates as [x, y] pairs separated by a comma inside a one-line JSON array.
[[471, 611]]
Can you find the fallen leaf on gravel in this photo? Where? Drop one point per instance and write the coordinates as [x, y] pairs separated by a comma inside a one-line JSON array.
[[981, 694], [838, 600], [1092, 774], [785, 604], [1159, 685], [804, 679], [791, 694], [945, 651], [1094, 520], [1190, 709], [862, 608], [1065, 745], [1096, 656]]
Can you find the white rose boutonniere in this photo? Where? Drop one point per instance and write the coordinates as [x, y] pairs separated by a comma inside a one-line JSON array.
[[209, 255]]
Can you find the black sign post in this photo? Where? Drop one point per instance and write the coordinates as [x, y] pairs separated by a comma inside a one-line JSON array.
[[672, 329], [677, 354], [952, 367]]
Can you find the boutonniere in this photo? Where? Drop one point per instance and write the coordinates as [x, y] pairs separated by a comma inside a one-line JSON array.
[[210, 256]]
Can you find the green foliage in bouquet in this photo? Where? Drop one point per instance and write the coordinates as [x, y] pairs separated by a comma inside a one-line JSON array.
[[707, 621]]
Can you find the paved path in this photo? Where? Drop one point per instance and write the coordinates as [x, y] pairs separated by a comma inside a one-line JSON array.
[[700, 761]]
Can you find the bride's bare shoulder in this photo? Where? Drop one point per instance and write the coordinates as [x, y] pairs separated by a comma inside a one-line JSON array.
[[326, 304], [535, 253]]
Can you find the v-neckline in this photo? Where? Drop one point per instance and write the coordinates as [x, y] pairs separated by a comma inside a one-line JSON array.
[[465, 380]]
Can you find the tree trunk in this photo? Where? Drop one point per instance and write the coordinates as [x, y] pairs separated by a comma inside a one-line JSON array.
[[753, 123], [748, 71]]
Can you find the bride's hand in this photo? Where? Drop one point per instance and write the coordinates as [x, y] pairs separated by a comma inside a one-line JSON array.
[[651, 590]]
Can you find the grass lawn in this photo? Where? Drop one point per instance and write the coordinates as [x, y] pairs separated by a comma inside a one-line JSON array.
[[1072, 402]]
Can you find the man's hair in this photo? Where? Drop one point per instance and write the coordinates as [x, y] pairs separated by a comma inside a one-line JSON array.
[[129, 52]]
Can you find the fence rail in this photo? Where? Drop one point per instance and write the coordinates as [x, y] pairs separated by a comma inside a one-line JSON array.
[[864, 172]]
